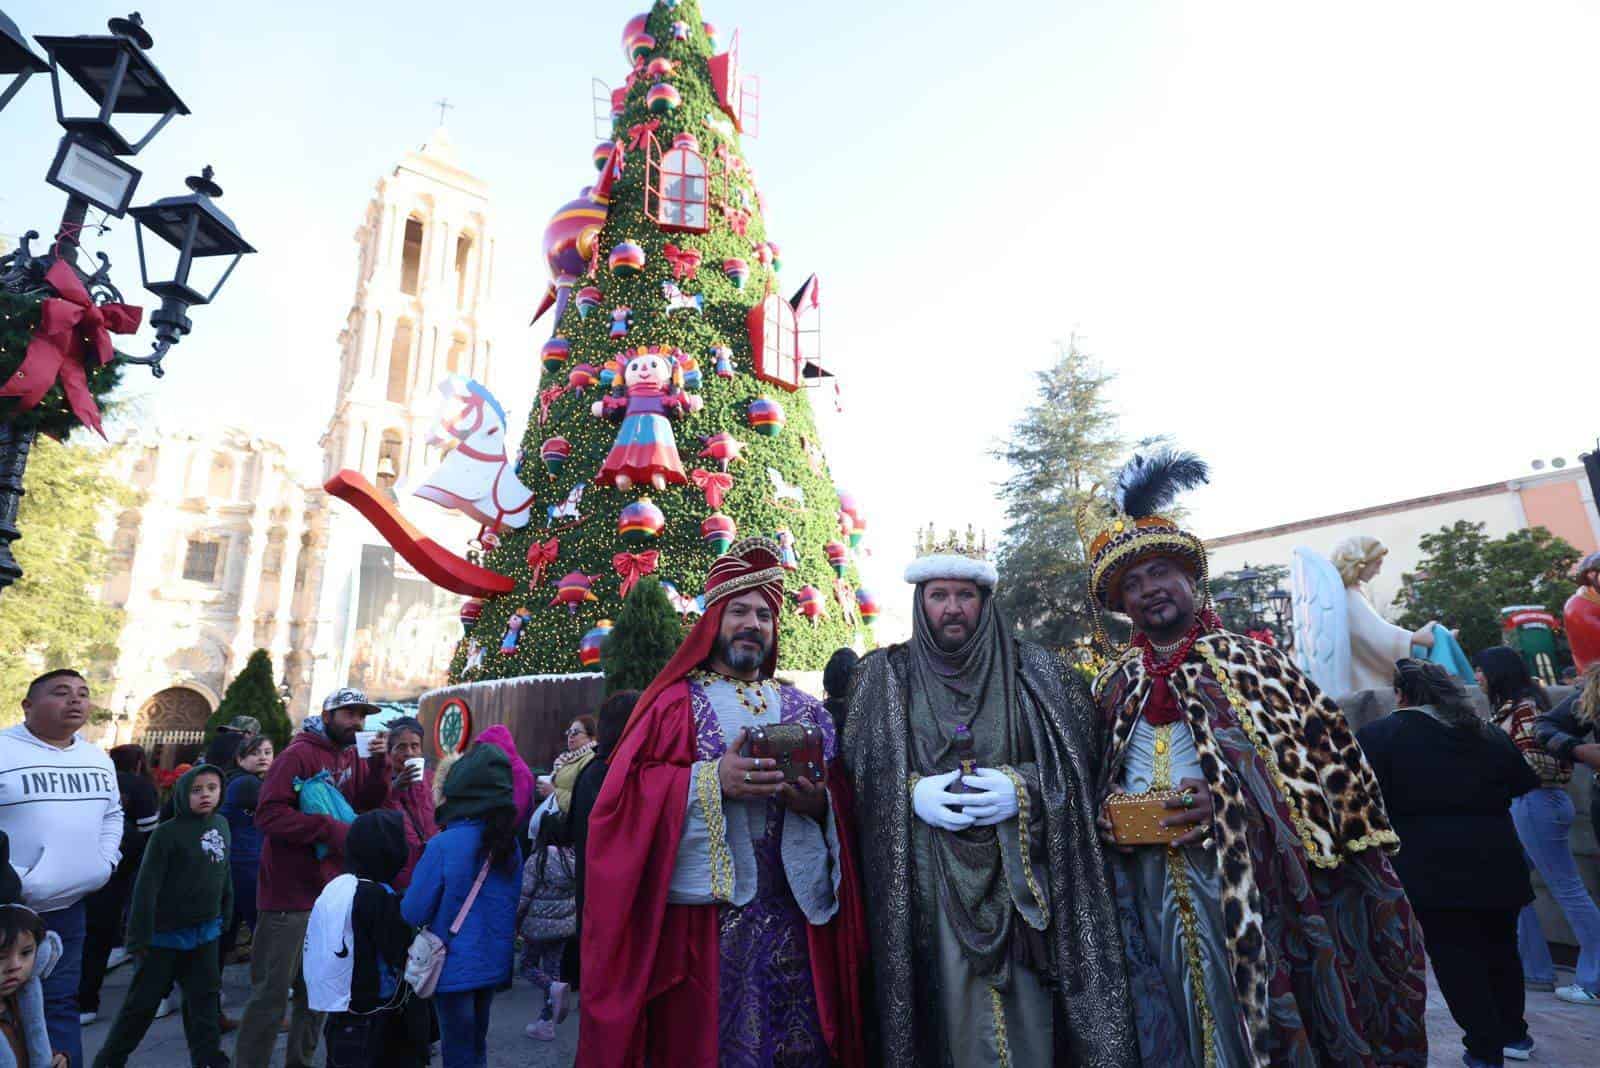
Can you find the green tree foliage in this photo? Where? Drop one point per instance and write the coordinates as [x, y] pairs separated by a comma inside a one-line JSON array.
[[548, 642], [1240, 598], [53, 617], [1065, 444], [253, 693], [646, 634], [1466, 578]]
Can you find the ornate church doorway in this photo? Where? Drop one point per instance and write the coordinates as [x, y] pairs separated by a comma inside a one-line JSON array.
[[173, 725]]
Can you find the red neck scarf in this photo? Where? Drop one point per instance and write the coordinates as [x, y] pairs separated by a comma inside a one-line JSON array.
[[1161, 705]]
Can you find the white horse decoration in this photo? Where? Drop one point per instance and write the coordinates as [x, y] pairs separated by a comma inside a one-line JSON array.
[[476, 476]]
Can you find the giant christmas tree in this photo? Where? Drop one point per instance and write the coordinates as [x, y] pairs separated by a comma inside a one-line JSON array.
[[671, 321]]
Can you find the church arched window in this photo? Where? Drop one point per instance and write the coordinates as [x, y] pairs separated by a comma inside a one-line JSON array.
[[411, 257], [463, 261], [220, 482], [389, 455], [400, 362], [681, 188]]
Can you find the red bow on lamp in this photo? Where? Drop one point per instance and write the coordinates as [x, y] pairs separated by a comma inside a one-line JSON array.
[[72, 328], [541, 557], [685, 261], [713, 483], [639, 135], [633, 567]]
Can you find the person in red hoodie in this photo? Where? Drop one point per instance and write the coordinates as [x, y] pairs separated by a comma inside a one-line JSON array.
[[302, 852]]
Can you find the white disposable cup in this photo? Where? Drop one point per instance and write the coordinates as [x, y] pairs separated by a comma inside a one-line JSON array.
[[364, 743], [415, 764]]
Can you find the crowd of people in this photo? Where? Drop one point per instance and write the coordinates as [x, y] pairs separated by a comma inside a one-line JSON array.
[[969, 854]]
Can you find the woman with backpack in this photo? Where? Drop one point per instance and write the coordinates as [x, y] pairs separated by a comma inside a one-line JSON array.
[[464, 890]]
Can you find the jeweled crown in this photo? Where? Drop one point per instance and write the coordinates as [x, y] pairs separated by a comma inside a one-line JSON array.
[[974, 546]]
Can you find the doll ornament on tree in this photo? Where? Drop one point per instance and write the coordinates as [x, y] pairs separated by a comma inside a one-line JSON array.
[[645, 401]]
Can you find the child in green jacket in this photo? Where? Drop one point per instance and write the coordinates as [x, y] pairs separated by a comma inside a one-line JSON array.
[[181, 900]]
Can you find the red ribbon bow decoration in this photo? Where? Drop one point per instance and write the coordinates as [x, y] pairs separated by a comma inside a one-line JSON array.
[[685, 261], [714, 484], [72, 328], [541, 557], [639, 134], [633, 567], [738, 218], [546, 398]]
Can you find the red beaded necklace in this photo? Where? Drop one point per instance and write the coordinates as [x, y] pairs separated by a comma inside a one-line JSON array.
[[1161, 706]]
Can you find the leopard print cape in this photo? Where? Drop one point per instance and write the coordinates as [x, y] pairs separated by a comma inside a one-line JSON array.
[[1326, 790]]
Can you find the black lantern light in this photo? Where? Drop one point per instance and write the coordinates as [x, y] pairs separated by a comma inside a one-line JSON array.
[[198, 229], [1279, 600], [114, 70], [16, 59], [118, 77]]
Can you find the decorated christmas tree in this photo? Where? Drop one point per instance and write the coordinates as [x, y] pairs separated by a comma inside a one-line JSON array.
[[672, 414]]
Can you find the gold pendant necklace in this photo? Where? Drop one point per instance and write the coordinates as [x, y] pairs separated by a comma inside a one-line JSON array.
[[740, 690]]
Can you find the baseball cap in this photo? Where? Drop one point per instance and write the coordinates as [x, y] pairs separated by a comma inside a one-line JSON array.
[[349, 698]]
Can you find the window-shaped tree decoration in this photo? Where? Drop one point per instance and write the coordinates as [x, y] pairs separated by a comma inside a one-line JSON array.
[[738, 94], [786, 338], [680, 193]]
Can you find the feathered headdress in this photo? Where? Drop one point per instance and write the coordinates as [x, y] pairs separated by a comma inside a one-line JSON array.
[[1127, 525]]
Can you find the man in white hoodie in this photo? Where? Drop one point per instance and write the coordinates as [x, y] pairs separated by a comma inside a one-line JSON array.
[[60, 807]]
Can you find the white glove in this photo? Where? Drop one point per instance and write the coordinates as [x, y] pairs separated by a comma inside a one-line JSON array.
[[937, 807], [997, 800]]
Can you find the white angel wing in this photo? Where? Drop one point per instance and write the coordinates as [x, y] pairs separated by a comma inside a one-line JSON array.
[[1321, 626]]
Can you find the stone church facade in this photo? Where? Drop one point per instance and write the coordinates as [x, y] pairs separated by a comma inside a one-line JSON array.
[[228, 550]]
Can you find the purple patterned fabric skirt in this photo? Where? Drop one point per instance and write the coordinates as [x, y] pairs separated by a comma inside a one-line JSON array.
[[768, 1006]]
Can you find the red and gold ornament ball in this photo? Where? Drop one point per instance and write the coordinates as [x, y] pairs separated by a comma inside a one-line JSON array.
[[627, 259], [640, 523], [592, 644], [717, 531], [554, 353], [766, 417]]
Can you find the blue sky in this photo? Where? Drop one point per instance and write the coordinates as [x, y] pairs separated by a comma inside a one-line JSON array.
[[1346, 252]]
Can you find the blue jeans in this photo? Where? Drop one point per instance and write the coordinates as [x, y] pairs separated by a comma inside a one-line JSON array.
[[61, 989], [464, 1027], [1544, 821]]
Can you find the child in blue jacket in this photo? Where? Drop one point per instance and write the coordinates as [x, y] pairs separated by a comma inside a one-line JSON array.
[[478, 813]]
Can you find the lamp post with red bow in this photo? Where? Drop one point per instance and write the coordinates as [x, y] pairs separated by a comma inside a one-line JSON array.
[[72, 311]]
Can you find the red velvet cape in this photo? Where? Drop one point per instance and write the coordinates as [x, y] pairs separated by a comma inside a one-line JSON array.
[[650, 968]]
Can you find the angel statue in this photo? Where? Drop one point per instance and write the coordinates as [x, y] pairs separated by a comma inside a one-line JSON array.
[[1340, 639]]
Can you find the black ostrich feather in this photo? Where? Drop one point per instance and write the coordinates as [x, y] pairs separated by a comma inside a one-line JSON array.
[[1151, 483]]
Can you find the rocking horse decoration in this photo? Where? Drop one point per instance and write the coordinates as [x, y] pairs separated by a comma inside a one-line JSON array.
[[476, 477]]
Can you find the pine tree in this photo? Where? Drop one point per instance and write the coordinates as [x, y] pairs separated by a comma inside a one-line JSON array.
[[253, 693], [708, 324], [1065, 443], [646, 634], [53, 616]]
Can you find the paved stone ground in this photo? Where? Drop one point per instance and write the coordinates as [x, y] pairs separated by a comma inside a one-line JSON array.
[[1568, 1036], [163, 1046]]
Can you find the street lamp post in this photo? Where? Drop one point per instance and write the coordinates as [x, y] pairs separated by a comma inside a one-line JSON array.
[[115, 72], [1247, 604], [16, 59]]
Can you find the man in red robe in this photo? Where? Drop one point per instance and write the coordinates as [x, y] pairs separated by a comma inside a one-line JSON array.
[[721, 924]]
